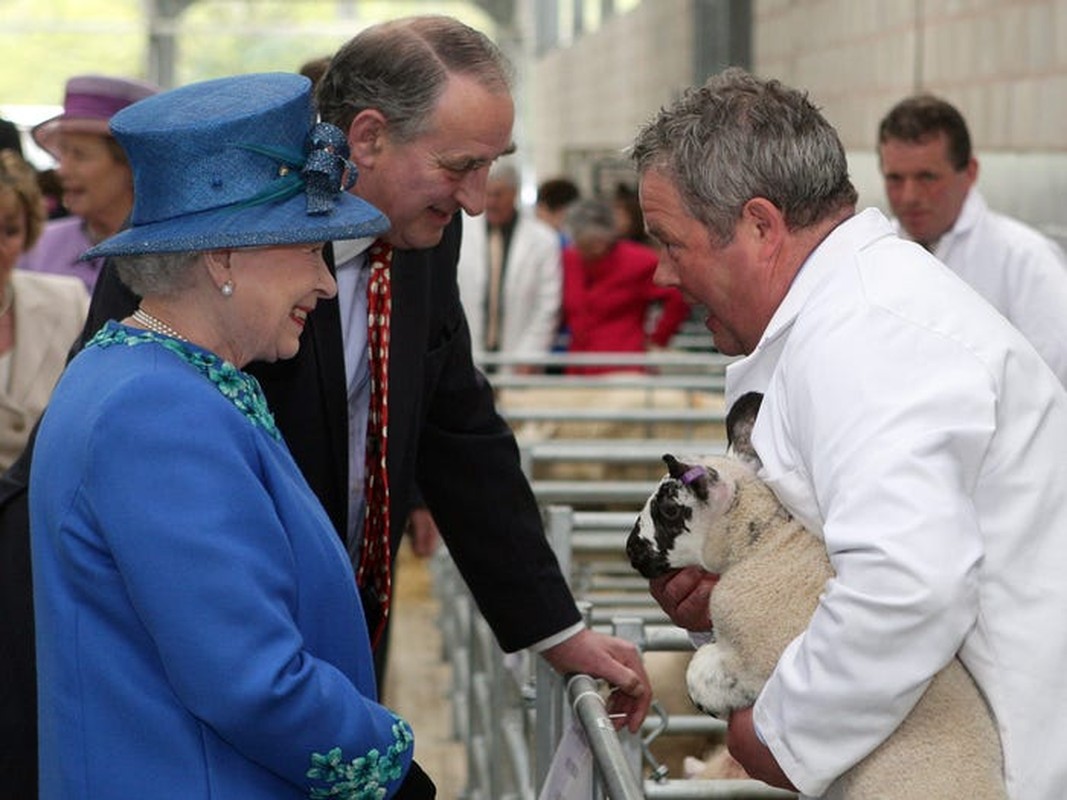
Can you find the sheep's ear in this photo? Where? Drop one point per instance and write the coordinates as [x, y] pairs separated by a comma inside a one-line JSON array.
[[695, 476], [739, 422], [675, 468]]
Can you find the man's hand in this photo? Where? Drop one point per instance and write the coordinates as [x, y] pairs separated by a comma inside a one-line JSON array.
[[614, 660], [684, 594], [751, 753], [423, 532]]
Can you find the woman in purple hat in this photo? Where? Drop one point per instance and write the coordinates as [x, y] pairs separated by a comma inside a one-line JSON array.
[[199, 628], [93, 170]]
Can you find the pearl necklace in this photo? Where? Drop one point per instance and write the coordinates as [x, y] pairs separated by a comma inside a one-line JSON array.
[[156, 325]]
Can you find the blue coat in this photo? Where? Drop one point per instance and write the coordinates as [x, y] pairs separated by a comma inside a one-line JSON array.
[[199, 632]]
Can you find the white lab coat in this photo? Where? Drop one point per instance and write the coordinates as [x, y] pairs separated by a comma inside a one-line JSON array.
[[533, 285], [922, 437], [1020, 271]]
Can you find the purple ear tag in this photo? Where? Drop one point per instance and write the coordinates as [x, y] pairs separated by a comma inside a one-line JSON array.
[[692, 474]]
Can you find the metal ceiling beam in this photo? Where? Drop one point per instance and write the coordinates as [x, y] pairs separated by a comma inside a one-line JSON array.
[[162, 36], [163, 29], [502, 12]]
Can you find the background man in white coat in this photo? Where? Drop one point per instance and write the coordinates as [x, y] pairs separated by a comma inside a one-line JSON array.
[[510, 274], [903, 421], [930, 172]]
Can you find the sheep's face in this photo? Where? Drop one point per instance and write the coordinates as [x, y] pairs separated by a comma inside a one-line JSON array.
[[686, 520]]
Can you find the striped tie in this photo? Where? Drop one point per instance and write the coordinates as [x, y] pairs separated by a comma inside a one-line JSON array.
[[374, 574]]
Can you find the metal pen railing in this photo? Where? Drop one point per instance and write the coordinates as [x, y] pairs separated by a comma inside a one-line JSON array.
[[613, 768]]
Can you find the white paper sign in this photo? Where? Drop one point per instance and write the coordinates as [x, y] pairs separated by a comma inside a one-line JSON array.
[[570, 775]]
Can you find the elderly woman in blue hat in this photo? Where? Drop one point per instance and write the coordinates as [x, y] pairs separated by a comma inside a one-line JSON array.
[[199, 629]]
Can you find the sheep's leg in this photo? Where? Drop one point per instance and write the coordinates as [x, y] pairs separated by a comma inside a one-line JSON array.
[[718, 682]]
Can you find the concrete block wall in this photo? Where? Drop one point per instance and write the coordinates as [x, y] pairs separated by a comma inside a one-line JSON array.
[[592, 96], [1002, 62]]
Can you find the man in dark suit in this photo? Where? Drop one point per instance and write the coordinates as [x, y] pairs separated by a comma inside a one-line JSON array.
[[426, 106]]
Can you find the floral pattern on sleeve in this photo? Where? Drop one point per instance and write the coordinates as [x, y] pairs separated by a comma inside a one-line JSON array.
[[362, 778]]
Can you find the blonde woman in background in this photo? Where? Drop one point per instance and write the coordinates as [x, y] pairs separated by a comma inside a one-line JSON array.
[[40, 315]]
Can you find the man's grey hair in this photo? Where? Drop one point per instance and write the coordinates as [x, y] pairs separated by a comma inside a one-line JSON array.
[[591, 216], [151, 274], [738, 137], [401, 68], [504, 171]]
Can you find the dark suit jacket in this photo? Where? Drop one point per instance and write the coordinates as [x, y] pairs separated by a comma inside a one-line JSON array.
[[18, 670], [444, 435]]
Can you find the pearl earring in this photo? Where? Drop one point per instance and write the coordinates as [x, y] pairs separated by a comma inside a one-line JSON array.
[[227, 289]]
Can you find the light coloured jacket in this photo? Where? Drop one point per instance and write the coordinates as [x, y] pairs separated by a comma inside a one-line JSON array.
[[49, 314], [533, 285], [922, 437], [1019, 270]]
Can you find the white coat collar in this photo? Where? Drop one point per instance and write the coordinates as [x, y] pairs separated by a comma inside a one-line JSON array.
[[753, 372], [974, 208]]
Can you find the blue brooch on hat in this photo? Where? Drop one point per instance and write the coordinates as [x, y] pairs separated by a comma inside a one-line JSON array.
[[236, 162], [322, 174]]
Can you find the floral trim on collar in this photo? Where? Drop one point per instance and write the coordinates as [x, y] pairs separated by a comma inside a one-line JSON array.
[[363, 778], [238, 387]]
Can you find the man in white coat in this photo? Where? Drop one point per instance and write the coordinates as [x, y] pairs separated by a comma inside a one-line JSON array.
[[930, 172], [903, 421], [512, 307]]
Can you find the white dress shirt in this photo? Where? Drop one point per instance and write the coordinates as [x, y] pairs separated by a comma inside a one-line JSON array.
[[350, 258]]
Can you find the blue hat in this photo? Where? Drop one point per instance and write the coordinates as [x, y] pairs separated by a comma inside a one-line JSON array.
[[235, 162]]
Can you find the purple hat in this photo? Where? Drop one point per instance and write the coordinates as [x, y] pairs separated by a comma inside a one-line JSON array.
[[90, 101]]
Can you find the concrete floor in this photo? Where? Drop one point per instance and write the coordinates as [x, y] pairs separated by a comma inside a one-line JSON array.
[[418, 680]]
